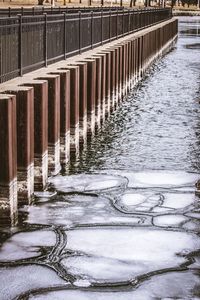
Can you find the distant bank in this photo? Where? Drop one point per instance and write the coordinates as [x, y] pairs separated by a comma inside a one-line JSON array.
[[180, 12]]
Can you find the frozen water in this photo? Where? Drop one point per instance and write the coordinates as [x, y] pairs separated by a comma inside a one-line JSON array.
[[169, 220], [87, 183], [160, 209], [143, 201], [176, 200], [44, 195], [104, 269], [159, 178], [17, 280], [102, 185], [132, 199], [193, 215], [143, 249], [107, 219], [82, 283], [26, 244], [175, 285], [193, 225], [78, 209]]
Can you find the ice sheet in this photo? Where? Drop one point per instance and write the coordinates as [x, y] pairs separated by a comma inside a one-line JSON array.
[[175, 285], [87, 183], [130, 199], [26, 244], [169, 220], [14, 281], [143, 249], [158, 178], [176, 200]]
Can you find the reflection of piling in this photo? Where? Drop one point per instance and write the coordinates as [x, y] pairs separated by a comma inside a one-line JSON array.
[[47, 118], [8, 160]]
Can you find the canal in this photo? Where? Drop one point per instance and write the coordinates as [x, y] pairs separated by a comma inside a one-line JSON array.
[[124, 223]]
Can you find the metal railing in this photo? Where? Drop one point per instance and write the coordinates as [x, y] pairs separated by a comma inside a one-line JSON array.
[[28, 43], [38, 10]]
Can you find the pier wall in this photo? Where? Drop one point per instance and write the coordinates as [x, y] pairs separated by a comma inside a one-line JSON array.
[[47, 116]]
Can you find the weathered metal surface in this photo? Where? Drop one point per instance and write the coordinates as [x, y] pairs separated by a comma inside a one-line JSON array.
[[8, 160]]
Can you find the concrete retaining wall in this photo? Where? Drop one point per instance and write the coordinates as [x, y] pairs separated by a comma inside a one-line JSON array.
[[49, 115]]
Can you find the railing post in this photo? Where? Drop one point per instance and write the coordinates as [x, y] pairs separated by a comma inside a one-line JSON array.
[[110, 23], [102, 27], [80, 43], [64, 34], [121, 2], [45, 40], [117, 25], [20, 47], [123, 23], [9, 11], [92, 18], [129, 21]]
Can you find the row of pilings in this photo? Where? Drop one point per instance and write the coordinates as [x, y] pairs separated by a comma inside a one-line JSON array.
[[48, 115]]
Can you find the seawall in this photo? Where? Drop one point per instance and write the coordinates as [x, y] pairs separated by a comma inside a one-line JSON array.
[[47, 116]]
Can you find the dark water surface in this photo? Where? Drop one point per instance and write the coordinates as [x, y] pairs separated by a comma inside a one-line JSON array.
[[158, 127], [125, 224]]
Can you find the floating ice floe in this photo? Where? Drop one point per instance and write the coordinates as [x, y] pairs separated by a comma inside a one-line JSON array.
[[156, 203], [43, 196], [193, 215], [169, 220], [177, 200], [158, 178], [87, 183], [17, 280], [174, 285], [24, 245], [112, 254]]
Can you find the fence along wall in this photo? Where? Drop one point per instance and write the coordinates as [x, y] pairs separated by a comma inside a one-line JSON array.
[[48, 115], [28, 43]]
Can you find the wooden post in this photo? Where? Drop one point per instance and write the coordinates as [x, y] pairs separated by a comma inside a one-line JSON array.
[[82, 102], [8, 160], [91, 91], [40, 132], [107, 86], [53, 123], [101, 86], [25, 142], [74, 109], [64, 116]]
